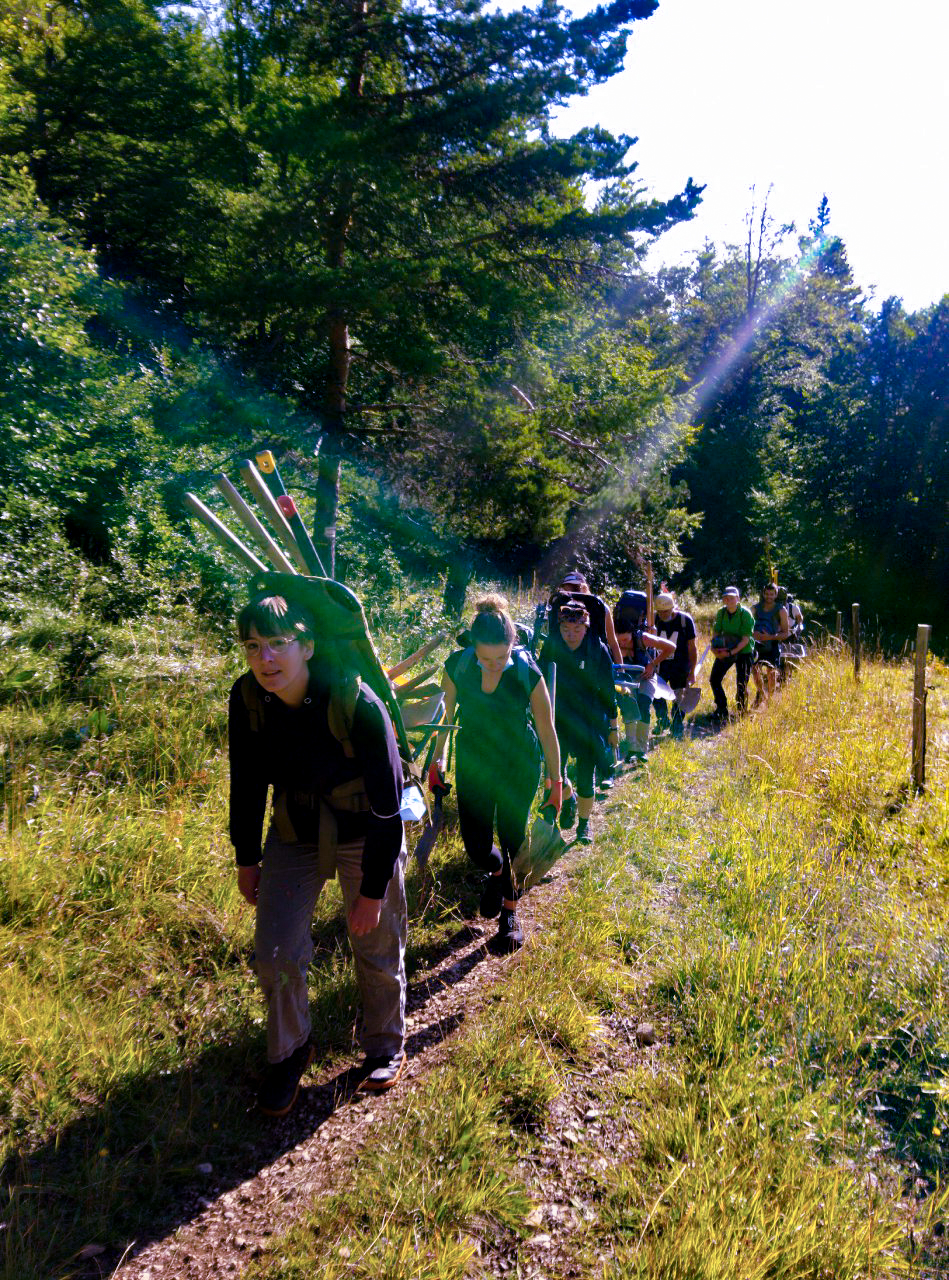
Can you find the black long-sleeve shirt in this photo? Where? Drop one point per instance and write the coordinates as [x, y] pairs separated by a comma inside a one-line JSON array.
[[294, 751]]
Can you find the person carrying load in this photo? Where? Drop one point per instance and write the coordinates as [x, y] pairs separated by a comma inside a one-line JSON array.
[[772, 629], [325, 743], [641, 646], [500, 696], [586, 712], [574, 587], [678, 671]]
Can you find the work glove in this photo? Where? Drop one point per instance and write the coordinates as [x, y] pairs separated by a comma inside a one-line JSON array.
[[553, 796], [436, 779]]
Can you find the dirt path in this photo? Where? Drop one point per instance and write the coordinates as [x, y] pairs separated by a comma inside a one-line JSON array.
[[321, 1140]]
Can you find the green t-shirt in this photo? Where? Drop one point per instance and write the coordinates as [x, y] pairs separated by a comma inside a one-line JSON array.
[[740, 623]]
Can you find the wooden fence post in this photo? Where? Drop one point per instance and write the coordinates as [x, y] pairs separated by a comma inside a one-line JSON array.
[[855, 626], [923, 633], [839, 629]]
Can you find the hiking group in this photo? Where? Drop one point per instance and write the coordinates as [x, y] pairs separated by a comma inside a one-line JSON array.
[[303, 725]]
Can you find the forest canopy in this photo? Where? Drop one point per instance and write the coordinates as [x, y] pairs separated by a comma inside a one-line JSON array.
[[349, 231]]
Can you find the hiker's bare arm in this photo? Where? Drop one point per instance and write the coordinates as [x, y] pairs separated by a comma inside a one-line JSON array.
[[666, 649], [248, 882], [544, 720], [364, 915], [611, 641]]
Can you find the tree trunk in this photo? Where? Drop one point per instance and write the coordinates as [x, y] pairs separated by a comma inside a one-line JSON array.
[[337, 324]]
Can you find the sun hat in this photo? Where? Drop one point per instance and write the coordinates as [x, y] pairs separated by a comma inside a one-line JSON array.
[[665, 601]]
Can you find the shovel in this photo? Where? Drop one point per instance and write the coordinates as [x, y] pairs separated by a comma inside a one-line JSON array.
[[543, 846], [426, 841], [544, 843]]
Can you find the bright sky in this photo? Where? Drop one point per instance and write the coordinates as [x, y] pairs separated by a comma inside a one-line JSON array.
[[847, 97]]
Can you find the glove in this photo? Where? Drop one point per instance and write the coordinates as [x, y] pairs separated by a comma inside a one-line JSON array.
[[554, 795], [436, 779]]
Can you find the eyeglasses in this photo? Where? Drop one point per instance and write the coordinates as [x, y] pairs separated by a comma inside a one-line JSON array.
[[277, 645]]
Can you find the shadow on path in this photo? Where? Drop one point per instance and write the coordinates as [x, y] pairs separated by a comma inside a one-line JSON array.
[[158, 1149]]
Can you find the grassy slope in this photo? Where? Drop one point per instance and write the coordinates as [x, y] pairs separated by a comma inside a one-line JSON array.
[[777, 902]]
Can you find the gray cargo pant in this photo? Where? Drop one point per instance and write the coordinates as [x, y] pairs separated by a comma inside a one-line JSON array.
[[290, 884]]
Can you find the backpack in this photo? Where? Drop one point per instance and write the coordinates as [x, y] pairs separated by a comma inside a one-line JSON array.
[[520, 655], [629, 612], [346, 648]]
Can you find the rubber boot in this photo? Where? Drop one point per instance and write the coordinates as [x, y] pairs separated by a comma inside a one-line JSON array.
[[642, 739]]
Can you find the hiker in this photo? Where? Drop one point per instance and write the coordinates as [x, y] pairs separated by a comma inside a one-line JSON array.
[[497, 688], [678, 671], [574, 586], [337, 780], [771, 630], [641, 647], [733, 645], [586, 713]]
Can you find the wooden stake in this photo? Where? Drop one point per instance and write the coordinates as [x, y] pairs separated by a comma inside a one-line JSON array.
[[923, 633], [855, 625], [253, 526], [271, 474], [839, 630], [408, 663], [268, 503], [229, 541]]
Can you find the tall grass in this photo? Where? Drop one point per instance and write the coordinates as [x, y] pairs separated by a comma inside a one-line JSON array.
[[775, 901], [776, 904]]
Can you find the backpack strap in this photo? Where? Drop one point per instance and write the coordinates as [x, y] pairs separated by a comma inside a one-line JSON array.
[[523, 671], [341, 712], [250, 695]]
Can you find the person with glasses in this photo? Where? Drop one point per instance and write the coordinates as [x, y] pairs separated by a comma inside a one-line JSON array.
[[586, 713], [336, 799]]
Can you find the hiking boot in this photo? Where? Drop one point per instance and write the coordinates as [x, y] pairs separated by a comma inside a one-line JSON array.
[[568, 812], [583, 832], [509, 936], [491, 898], [281, 1083], [381, 1073]]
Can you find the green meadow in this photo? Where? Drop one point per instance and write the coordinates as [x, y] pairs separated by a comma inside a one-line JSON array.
[[772, 898]]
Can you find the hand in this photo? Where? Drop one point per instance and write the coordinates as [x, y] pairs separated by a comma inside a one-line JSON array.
[[649, 670], [364, 916], [436, 778], [248, 882], [554, 794], [614, 738]]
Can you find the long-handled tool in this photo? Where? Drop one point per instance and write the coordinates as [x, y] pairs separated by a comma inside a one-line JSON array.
[[544, 844], [268, 504], [229, 541], [253, 526], [267, 465]]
